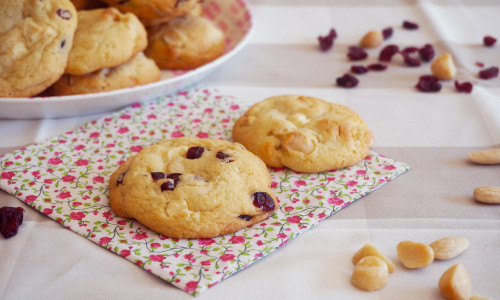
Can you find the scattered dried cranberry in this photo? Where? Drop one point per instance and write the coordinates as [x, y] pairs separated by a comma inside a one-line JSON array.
[[428, 83], [426, 52], [63, 13], [356, 53], [347, 81], [377, 67], [489, 41], [120, 178], [326, 42], [10, 220], [489, 73], [388, 52], [194, 152], [387, 33], [263, 201], [410, 49], [245, 217], [464, 87], [410, 61], [359, 69], [479, 64], [410, 25]]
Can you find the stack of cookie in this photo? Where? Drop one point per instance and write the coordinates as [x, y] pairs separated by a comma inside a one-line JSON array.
[[72, 47]]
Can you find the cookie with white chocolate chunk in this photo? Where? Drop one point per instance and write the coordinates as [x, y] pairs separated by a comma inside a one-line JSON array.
[[305, 134]]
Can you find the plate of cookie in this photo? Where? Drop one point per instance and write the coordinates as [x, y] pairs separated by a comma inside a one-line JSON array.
[[116, 54]]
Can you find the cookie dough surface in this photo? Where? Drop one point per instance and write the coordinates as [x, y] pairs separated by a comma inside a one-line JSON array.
[[305, 134], [105, 38], [35, 40], [138, 71], [193, 188]]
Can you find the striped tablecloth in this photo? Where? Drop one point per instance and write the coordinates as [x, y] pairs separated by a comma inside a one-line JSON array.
[[431, 132]]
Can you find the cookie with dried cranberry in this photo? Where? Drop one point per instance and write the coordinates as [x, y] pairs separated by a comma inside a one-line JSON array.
[[148, 10], [305, 134], [35, 40], [105, 38], [138, 71], [193, 188], [185, 43]]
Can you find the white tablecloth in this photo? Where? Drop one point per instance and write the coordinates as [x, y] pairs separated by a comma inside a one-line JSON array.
[[433, 133]]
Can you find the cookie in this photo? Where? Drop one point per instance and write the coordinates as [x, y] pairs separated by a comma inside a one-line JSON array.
[[154, 9], [35, 40], [196, 10], [105, 38], [193, 188], [185, 43], [138, 71], [303, 133]]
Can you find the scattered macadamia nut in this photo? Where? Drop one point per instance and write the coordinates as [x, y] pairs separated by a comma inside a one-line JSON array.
[[370, 250], [455, 283], [487, 194], [372, 39], [443, 67], [370, 274], [477, 297], [415, 255], [449, 247], [485, 157]]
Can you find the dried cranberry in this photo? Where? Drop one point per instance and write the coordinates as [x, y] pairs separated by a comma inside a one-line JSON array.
[[120, 178], [263, 201], [158, 175], [410, 49], [245, 217], [428, 83], [63, 13], [223, 156], [489, 73], [170, 185], [359, 69], [10, 220], [410, 25], [479, 64], [410, 61], [426, 52], [388, 52], [326, 42], [356, 53], [194, 152], [387, 33], [175, 177], [489, 41], [464, 87], [347, 81], [167, 186], [377, 67]]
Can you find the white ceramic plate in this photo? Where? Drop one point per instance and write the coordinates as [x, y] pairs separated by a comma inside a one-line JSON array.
[[232, 16]]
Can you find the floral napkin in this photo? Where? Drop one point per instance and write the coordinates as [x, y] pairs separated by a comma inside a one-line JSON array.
[[66, 178]]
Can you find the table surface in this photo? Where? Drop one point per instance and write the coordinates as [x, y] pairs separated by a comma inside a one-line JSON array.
[[432, 132]]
